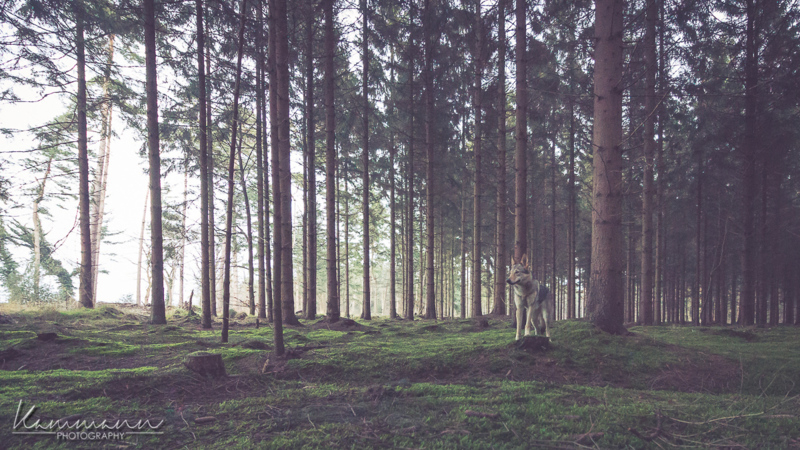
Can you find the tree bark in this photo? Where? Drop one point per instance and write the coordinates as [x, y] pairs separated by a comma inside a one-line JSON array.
[[477, 187], [277, 198], [604, 306], [409, 313], [226, 283], [747, 302], [260, 172], [500, 274], [333, 311], [212, 253], [158, 312], [141, 252], [311, 307], [392, 204], [520, 155], [85, 298], [430, 295], [205, 263], [646, 300], [366, 312]]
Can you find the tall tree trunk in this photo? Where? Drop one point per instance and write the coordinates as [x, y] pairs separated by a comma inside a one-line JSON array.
[[212, 252], [158, 312], [747, 302], [205, 262], [477, 185], [141, 252], [660, 256], [333, 311], [85, 298], [463, 256], [500, 273], [311, 308], [409, 313], [430, 300], [226, 283], [553, 284], [392, 204], [366, 312], [698, 241], [346, 251], [604, 306], [277, 210], [284, 126], [646, 300], [261, 211], [571, 306], [520, 156], [101, 179]]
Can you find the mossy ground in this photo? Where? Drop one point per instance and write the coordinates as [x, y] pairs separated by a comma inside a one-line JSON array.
[[401, 384]]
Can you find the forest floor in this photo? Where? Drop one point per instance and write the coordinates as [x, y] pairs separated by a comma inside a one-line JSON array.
[[396, 384]]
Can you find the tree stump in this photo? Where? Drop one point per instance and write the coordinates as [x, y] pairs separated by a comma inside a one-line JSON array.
[[206, 364]]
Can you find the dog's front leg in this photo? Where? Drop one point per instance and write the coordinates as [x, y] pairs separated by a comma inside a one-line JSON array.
[[530, 322], [520, 317]]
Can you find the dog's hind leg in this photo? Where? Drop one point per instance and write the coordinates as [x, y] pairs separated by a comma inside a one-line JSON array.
[[546, 321]]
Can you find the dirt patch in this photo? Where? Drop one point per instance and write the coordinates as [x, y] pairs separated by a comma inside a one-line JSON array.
[[339, 325], [711, 373]]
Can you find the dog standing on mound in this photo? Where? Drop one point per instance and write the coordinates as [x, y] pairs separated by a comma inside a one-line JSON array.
[[531, 297]]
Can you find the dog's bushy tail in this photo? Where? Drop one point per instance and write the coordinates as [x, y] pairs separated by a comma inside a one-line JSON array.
[[542, 294]]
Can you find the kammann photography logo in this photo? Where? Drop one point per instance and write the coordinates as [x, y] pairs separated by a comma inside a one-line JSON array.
[[78, 429]]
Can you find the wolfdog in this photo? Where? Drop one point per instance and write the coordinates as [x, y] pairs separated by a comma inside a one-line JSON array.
[[531, 296]]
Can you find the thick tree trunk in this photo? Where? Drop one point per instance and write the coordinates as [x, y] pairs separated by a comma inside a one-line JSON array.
[[520, 156], [158, 312], [605, 299], [226, 283], [277, 210]]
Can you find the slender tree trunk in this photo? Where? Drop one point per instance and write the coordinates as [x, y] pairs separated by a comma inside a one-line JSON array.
[[205, 262], [251, 298], [226, 283], [430, 295], [37, 232], [158, 312], [85, 298], [333, 311], [477, 185], [646, 301], [571, 306], [520, 156], [311, 309], [392, 205], [277, 198], [346, 251], [260, 172], [747, 302], [212, 252], [184, 231], [409, 313], [463, 257], [500, 274], [606, 284], [141, 252], [553, 284], [698, 243], [366, 312], [101, 179]]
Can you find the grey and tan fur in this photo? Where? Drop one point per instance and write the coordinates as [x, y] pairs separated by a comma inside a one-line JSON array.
[[531, 297]]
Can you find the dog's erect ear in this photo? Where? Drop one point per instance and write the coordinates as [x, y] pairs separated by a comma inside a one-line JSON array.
[[513, 261], [524, 260]]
